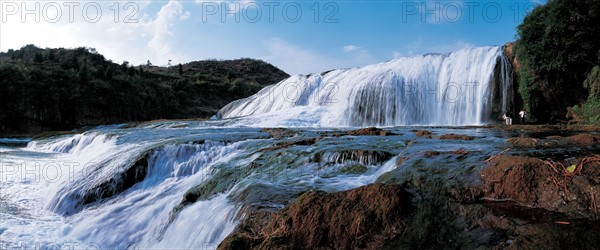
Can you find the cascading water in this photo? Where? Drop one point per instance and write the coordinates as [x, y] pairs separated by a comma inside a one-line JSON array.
[[119, 190], [452, 89], [187, 184]]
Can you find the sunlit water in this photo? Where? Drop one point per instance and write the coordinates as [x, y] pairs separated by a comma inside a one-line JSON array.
[[453, 89], [117, 188], [43, 184]]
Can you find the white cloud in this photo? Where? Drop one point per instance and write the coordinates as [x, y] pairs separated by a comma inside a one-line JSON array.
[[350, 48], [294, 59], [150, 38], [297, 60], [185, 16], [161, 26], [396, 55]]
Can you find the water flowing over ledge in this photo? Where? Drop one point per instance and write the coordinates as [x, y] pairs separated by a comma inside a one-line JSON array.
[[460, 88], [188, 184]]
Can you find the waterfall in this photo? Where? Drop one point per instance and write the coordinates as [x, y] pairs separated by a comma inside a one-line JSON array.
[[507, 83], [143, 211], [70, 144], [188, 184], [433, 89]]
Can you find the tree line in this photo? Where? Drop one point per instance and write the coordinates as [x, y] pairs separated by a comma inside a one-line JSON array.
[[558, 52], [62, 89]]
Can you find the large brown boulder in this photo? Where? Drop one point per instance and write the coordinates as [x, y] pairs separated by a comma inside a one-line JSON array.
[[365, 217], [456, 137], [371, 131], [523, 142], [555, 141], [584, 139], [536, 183], [423, 133]]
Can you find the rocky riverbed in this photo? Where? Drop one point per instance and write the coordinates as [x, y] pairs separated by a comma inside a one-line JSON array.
[[197, 184], [542, 191]]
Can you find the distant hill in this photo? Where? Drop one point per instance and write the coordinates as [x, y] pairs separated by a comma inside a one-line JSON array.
[[61, 89]]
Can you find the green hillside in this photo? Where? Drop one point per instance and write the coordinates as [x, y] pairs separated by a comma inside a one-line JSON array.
[[61, 89]]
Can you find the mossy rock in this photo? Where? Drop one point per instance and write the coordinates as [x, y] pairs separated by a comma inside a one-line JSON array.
[[354, 169]]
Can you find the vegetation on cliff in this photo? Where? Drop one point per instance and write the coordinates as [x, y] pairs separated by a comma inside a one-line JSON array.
[[59, 89], [558, 49]]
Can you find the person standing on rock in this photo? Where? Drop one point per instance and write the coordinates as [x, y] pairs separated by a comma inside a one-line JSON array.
[[522, 115], [507, 118]]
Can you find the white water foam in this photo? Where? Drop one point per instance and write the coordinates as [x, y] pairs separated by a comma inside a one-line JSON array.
[[453, 89], [142, 215]]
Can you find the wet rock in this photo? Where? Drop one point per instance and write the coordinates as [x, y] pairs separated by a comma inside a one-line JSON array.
[[432, 153], [220, 182], [460, 152], [400, 160], [519, 211], [456, 137], [523, 142], [132, 175], [366, 217], [508, 226], [555, 141], [584, 139], [534, 183], [519, 179], [556, 236], [247, 233], [423, 133], [366, 157], [353, 169], [77, 197], [280, 133], [302, 142], [264, 196], [552, 128], [372, 131]]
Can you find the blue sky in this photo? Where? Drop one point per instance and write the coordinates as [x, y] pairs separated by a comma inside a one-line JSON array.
[[297, 36]]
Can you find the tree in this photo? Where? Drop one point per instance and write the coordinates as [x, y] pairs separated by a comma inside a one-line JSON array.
[[108, 74], [51, 56], [180, 69], [38, 58], [83, 74], [131, 71], [557, 47], [124, 66], [87, 89]]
